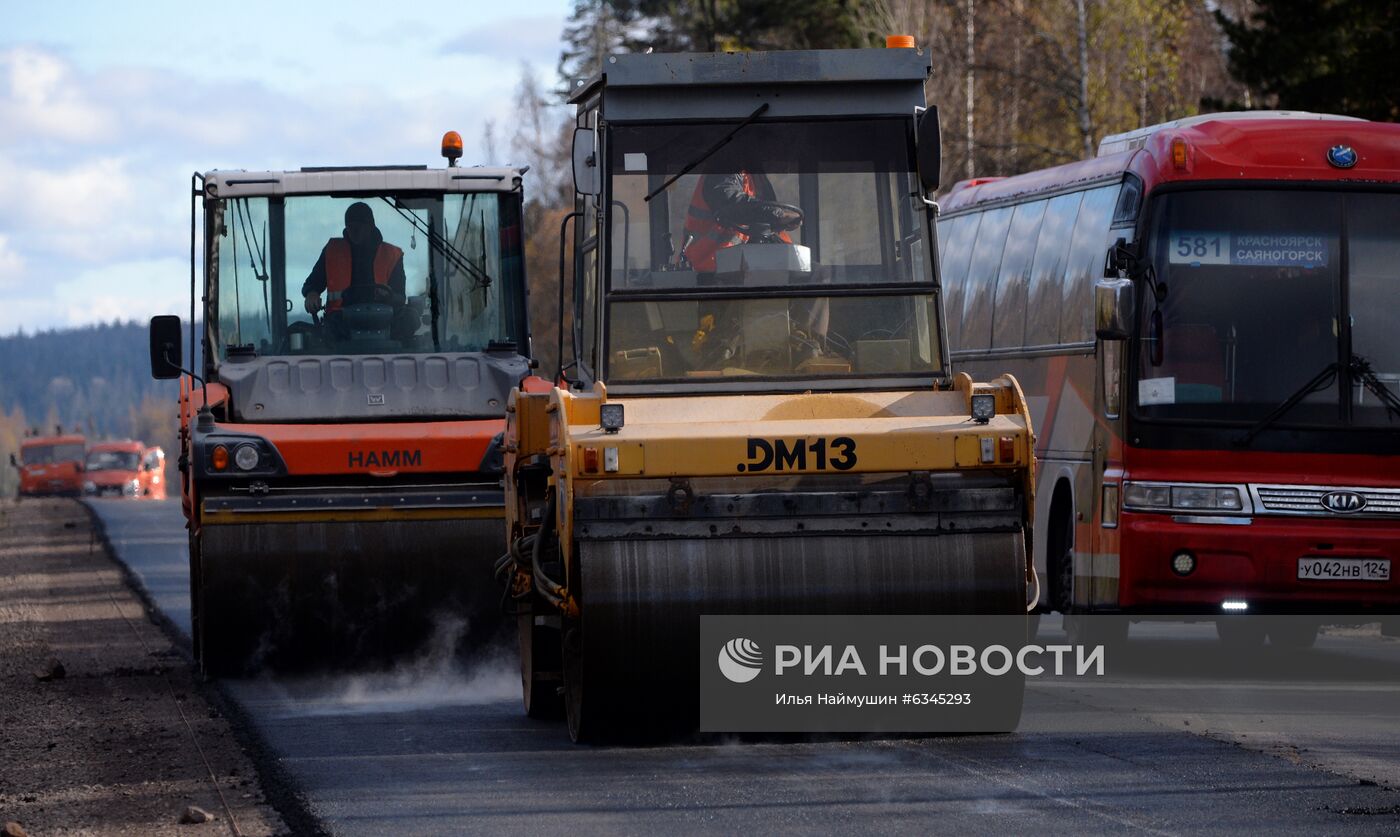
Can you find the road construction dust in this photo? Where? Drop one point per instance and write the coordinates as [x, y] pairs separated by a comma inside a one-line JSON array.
[[438, 677]]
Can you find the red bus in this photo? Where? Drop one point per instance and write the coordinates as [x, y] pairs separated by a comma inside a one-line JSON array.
[[1206, 320]]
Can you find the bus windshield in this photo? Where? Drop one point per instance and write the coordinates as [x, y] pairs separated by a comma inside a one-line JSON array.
[[1264, 292], [413, 273], [788, 250]]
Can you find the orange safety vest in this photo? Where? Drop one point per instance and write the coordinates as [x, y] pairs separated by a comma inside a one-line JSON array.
[[709, 236], [338, 270]]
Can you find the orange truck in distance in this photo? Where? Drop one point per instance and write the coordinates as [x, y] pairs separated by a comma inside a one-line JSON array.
[[50, 466], [124, 469], [341, 452]]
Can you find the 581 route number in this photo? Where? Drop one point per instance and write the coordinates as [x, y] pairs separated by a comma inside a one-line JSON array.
[[785, 455]]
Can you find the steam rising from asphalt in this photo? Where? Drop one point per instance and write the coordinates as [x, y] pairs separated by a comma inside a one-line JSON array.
[[438, 677]]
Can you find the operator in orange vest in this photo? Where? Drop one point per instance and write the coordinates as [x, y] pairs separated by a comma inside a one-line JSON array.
[[350, 267], [745, 197]]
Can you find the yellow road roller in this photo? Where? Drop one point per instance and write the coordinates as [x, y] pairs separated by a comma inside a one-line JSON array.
[[759, 416]]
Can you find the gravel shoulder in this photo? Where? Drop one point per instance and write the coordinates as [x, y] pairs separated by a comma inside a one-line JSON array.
[[103, 729]]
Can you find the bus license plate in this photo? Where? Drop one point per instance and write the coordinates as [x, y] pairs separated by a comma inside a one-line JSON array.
[[1344, 569]]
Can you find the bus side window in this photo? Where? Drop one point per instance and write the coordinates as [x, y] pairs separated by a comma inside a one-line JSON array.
[[1048, 268], [1009, 311], [955, 237], [981, 277], [1086, 255], [1129, 202]]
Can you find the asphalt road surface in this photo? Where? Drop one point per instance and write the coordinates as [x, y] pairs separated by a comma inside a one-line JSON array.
[[1208, 744]]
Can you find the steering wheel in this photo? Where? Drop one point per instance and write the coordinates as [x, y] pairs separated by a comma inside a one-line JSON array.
[[782, 218]]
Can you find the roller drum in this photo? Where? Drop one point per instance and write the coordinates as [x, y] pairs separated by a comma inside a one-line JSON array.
[[337, 594], [631, 658]]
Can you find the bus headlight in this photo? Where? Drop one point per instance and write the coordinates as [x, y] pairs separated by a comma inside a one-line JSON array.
[[1146, 495], [1163, 496]]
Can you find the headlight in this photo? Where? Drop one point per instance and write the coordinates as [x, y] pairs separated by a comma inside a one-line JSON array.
[[89, 487], [246, 457], [984, 406], [610, 417], [1160, 496], [238, 456]]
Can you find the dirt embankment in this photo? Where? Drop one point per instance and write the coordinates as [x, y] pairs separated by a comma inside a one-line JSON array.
[[102, 730]]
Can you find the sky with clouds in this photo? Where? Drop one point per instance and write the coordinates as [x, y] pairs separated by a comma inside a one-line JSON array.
[[107, 108]]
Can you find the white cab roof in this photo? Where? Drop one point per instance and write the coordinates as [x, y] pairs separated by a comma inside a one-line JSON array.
[[372, 180]]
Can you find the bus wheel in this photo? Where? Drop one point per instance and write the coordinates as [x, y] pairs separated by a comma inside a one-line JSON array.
[[1293, 633], [1241, 633]]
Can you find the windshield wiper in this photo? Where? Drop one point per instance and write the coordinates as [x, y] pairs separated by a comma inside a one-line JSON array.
[[709, 152], [1361, 370], [1320, 381], [457, 258]]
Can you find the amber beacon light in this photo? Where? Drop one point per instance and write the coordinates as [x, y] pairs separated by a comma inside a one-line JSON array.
[[899, 41], [452, 147]]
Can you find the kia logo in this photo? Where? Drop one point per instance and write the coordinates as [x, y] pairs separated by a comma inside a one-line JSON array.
[[1343, 502]]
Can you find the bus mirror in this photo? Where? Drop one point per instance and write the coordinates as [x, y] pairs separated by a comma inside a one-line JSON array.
[[14, 463], [165, 347], [928, 150], [1114, 308], [586, 179]]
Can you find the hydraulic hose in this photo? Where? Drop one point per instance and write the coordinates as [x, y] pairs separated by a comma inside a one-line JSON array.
[[550, 589]]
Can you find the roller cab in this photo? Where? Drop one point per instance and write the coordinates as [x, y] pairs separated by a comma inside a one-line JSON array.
[[341, 453], [759, 417]]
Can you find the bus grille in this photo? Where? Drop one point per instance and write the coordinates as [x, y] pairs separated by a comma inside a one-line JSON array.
[[1326, 500]]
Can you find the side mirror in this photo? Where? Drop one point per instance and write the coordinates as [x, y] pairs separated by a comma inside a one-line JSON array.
[[1119, 259], [165, 347], [586, 171], [14, 463], [928, 149], [1113, 308]]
